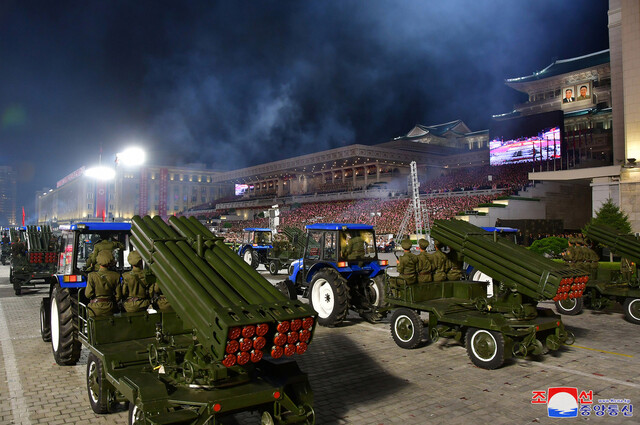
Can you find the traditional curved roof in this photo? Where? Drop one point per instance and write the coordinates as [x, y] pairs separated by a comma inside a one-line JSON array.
[[565, 66]]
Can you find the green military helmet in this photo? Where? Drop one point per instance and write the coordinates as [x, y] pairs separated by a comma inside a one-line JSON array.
[[424, 244], [104, 258], [406, 244], [134, 258]]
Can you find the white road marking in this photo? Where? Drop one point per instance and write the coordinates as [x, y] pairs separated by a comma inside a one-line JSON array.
[[585, 374], [19, 408]]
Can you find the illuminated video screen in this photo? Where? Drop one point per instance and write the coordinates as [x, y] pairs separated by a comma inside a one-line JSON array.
[[242, 188], [543, 147]]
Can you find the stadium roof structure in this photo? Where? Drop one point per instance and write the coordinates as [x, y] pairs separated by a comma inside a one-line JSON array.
[[564, 66], [344, 157]]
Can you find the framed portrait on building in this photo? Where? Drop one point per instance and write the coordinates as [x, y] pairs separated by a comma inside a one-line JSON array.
[[584, 92], [568, 94]]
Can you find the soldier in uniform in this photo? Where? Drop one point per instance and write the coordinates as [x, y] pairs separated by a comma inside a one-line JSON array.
[[102, 287], [18, 248], [135, 290], [408, 264], [570, 255], [355, 247], [425, 268], [102, 245], [160, 301], [441, 264]]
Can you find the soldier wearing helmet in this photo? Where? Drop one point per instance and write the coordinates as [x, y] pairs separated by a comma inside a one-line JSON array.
[[425, 267], [408, 264], [102, 245], [102, 287], [135, 289]]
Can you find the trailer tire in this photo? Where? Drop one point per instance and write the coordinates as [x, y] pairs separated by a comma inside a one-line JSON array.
[[570, 306], [45, 320], [485, 348], [136, 415], [632, 310], [287, 288], [329, 297], [251, 257], [96, 387], [274, 266], [406, 328], [17, 287], [64, 327]]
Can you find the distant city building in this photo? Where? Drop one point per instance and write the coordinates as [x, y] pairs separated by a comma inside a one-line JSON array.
[[153, 190], [8, 207]]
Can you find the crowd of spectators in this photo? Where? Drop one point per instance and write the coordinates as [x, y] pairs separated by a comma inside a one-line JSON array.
[[386, 215], [511, 177]]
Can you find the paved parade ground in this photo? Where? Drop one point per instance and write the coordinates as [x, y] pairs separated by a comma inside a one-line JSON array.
[[359, 375]]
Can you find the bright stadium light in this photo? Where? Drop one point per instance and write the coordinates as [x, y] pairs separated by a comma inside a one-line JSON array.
[[132, 156], [100, 172]]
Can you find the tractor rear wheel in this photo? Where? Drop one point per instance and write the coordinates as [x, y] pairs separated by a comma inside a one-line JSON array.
[[45, 321], [64, 327], [251, 257], [632, 310], [329, 297], [406, 328], [485, 348], [570, 306]]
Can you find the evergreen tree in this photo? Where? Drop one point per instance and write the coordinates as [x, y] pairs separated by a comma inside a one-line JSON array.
[[611, 215]]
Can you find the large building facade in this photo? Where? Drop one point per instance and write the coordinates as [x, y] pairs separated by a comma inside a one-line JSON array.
[[153, 190], [8, 207]]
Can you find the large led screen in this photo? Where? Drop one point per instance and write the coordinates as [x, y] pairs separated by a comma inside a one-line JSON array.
[[533, 138], [242, 188]]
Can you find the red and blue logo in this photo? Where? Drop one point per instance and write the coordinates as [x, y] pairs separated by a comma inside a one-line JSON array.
[[562, 402]]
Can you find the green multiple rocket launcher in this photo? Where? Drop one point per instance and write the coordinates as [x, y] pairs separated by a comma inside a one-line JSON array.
[[507, 323], [284, 253], [39, 259], [224, 350], [607, 285]]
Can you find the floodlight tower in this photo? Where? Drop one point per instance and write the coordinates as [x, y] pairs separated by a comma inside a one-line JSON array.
[[417, 209]]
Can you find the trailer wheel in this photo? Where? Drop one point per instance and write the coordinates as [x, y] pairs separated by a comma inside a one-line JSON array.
[[11, 278], [329, 297], [406, 328], [96, 387], [570, 306], [274, 266], [251, 257], [136, 415], [632, 310], [287, 288], [45, 320], [17, 287], [485, 348], [64, 328]]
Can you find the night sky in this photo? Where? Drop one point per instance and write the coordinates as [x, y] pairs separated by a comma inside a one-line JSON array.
[[238, 83]]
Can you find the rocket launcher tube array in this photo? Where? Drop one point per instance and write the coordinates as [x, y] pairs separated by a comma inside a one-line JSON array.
[[623, 244], [213, 293], [534, 275]]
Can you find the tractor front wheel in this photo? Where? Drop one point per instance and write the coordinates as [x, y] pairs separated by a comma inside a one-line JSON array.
[[570, 306], [329, 297], [406, 328], [287, 288], [251, 257], [485, 348], [632, 310]]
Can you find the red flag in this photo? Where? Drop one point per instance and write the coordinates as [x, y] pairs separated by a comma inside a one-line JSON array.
[[23, 216], [103, 215]]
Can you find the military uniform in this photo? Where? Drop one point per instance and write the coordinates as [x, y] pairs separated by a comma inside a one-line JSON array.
[[135, 289], [408, 264], [441, 265], [103, 245], [102, 287], [354, 249], [425, 268], [160, 300]]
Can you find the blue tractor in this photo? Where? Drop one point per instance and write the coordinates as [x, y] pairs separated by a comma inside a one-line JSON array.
[[339, 270], [255, 246], [59, 311]]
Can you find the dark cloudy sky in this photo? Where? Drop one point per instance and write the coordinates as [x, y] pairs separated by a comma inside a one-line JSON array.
[[237, 83]]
